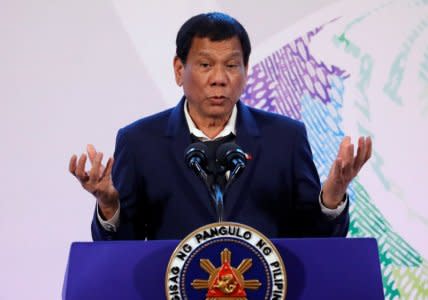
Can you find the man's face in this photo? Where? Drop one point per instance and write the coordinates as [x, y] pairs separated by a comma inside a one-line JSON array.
[[213, 77]]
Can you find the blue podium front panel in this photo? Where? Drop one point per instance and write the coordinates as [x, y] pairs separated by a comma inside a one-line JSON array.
[[324, 268]]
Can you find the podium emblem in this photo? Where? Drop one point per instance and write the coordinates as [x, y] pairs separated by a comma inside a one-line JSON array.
[[223, 261], [226, 281]]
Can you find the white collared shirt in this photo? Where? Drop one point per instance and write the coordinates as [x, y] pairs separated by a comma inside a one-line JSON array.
[[228, 129]]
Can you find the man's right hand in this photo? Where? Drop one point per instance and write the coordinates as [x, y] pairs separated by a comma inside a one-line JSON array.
[[98, 181]]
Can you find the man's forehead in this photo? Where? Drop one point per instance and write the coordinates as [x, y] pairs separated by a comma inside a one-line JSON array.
[[206, 47], [209, 53]]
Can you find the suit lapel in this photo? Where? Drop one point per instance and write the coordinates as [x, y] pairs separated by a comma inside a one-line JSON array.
[[178, 133], [247, 137]]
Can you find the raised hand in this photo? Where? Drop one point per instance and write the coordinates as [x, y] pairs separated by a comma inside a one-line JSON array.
[[97, 181], [344, 169]]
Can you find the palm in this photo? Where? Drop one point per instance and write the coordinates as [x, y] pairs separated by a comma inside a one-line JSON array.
[[98, 179], [345, 168]]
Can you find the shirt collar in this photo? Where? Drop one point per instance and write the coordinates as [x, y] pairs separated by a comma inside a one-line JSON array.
[[228, 129]]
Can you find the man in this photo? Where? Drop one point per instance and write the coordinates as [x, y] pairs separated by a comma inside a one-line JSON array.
[[149, 192]]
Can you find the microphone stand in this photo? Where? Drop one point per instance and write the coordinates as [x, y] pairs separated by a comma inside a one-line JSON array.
[[215, 190], [217, 194], [218, 200]]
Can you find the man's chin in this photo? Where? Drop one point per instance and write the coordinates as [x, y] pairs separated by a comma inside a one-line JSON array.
[[218, 113]]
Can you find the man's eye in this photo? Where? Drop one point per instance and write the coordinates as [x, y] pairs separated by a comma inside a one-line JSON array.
[[204, 65], [232, 66]]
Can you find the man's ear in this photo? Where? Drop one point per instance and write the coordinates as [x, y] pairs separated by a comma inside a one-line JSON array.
[[246, 68], [178, 70]]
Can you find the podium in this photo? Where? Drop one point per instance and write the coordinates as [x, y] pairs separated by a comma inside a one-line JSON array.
[[317, 268]]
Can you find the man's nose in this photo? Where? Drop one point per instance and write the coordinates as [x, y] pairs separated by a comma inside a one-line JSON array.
[[218, 76]]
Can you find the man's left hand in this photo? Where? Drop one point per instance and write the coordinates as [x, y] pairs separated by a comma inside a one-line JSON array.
[[344, 169]]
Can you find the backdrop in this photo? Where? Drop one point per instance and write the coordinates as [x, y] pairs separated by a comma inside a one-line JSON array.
[[74, 72]]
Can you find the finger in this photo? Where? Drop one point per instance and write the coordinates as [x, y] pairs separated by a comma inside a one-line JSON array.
[[369, 146], [337, 169], [346, 150], [343, 145], [108, 168], [80, 170], [94, 173], [361, 154], [91, 152], [348, 159], [336, 174], [72, 164]]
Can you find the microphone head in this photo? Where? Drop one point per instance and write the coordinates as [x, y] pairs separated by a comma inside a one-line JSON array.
[[229, 154], [196, 152]]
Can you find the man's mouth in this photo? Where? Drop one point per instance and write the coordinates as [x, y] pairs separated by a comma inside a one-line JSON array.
[[219, 100]]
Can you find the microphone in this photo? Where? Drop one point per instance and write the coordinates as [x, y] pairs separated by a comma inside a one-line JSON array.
[[196, 159], [231, 158]]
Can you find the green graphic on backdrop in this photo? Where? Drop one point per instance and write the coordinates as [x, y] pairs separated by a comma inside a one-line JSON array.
[[293, 81]]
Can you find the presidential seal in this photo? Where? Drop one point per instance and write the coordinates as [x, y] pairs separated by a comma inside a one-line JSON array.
[[225, 261]]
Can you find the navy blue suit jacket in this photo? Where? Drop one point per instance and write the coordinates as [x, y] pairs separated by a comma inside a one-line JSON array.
[[161, 198]]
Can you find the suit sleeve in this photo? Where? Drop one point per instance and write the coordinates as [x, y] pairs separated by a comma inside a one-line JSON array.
[[308, 217], [126, 181]]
